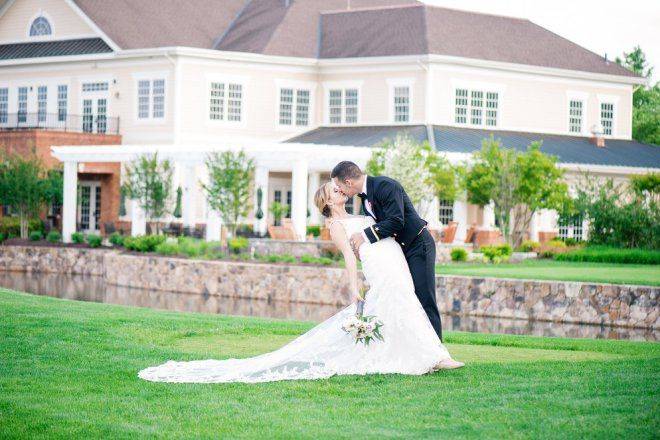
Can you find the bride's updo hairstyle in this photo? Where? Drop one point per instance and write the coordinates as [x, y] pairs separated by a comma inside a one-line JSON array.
[[322, 197]]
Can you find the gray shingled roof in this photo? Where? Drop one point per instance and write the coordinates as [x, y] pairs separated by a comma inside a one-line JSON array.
[[81, 46], [568, 149]]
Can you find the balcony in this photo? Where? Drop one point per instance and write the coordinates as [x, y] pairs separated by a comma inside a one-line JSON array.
[[100, 124]]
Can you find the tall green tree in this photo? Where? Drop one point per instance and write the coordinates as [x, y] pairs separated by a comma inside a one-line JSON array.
[[520, 182], [229, 186], [149, 181], [25, 187], [646, 100]]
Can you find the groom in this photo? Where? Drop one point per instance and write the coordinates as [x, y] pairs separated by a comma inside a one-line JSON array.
[[385, 200]]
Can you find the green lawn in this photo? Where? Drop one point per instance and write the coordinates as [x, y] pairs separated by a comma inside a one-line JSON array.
[[69, 370], [645, 274]]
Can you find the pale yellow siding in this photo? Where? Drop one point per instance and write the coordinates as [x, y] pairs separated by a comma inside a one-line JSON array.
[[64, 21]]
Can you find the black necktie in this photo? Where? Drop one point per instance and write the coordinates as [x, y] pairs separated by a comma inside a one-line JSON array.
[[362, 196]]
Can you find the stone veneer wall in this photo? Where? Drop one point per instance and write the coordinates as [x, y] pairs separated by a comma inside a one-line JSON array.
[[558, 301]]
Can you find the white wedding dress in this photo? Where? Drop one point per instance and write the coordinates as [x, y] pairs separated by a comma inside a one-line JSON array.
[[410, 344]]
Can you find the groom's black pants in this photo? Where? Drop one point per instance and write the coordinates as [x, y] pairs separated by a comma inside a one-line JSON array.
[[420, 255]]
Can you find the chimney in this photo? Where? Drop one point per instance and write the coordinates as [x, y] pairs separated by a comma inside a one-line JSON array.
[[597, 137]]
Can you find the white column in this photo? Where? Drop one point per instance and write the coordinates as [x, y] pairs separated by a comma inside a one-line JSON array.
[[188, 195], [261, 181], [213, 224], [461, 217], [431, 212], [489, 217], [138, 220], [299, 198], [534, 227], [69, 202], [313, 185]]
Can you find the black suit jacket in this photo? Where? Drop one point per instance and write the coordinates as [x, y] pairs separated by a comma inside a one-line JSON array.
[[395, 214]]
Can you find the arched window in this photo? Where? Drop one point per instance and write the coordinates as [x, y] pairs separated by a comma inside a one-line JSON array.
[[40, 26]]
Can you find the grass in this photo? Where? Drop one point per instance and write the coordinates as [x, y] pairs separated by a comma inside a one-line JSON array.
[[69, 370], [643, 274]]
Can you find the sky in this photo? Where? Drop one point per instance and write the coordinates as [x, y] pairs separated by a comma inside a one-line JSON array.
[[602, 26]]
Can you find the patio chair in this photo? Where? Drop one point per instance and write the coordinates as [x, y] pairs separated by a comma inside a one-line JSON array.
[[449, 232], [109, 228]]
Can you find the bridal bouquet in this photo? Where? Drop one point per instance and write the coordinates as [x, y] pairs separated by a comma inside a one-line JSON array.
[[363, 328]]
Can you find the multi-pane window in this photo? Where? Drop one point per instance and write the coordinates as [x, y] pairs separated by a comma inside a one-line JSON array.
[[575, 108], [22, 104], [62, 100], [42, 103], [401, 104], [461, 106], [571, 227], [95, 87], [446, 211], [288, 204], [225, 102], [476, 107], [294, 106], [607, 117], [101, 115], [40, 26], [343, 106], [151, 99], [4, 104]]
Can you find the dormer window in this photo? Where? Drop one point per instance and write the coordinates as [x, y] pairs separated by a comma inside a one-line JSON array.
[[40, 26]]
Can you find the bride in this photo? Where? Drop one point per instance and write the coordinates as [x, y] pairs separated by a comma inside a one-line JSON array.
[[409, 345]]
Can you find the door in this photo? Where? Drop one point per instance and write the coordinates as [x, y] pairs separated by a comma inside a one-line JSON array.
[[95, 107], [89, 207]]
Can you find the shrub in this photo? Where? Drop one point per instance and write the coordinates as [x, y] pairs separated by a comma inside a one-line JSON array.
[[323, 261], [281, 258], [54, 236], [77, 237], [604, 254], [11, 226], [459, 254], [552, 248], [314, 230], [143, 243], [238, 244], [94, 240], [570, 241], [529, 246], [116, 239], [2, 237], [497, 253], [36, 235]]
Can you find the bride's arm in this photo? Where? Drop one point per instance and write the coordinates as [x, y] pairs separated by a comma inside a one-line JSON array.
[[339, 238]]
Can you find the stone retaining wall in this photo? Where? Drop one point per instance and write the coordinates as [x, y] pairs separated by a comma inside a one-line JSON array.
[[558, 301]]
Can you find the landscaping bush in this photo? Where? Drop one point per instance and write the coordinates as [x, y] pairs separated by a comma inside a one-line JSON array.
[[54, 237], [309, 259], [529, 246], [459, 254], [605, 254], [238, 244], [314, 230], [36, 235], [78, 237], [286, 258], [570, 241], [497, 253], [2, 237], [552, 248], [94, 240], [11, 226], [143, 243], [116, 239], [190, 247]]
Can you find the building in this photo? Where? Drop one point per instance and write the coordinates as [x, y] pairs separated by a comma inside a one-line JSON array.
[[302, 84]]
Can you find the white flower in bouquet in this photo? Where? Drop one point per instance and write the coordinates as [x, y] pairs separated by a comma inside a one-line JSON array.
[[363, 328]]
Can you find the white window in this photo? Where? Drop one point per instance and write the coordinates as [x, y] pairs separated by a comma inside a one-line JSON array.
[[62, 102], [40, 26], [476, 107], [151, 99], [4, 105], [402, 104], [446, 213], [42, 103], [294, 106], [571, 227], [22, 104], [607, 117], [343, 106], [95, 87], [575, 109], [225, 102]]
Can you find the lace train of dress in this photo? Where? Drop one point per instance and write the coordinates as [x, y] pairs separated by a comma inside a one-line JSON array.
[[410, 344]]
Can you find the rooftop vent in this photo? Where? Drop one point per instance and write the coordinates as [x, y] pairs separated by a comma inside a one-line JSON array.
[[597, 137]]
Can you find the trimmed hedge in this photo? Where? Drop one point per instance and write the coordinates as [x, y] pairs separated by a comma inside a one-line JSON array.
[[94, 240], [603, 254], [54, 236], [78, 237], [458, 254], [36, 235]]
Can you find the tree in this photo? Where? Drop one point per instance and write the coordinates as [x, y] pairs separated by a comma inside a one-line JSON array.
[[229, 188], [25, 186], [514, 181], [646, 100], [149, 181]]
